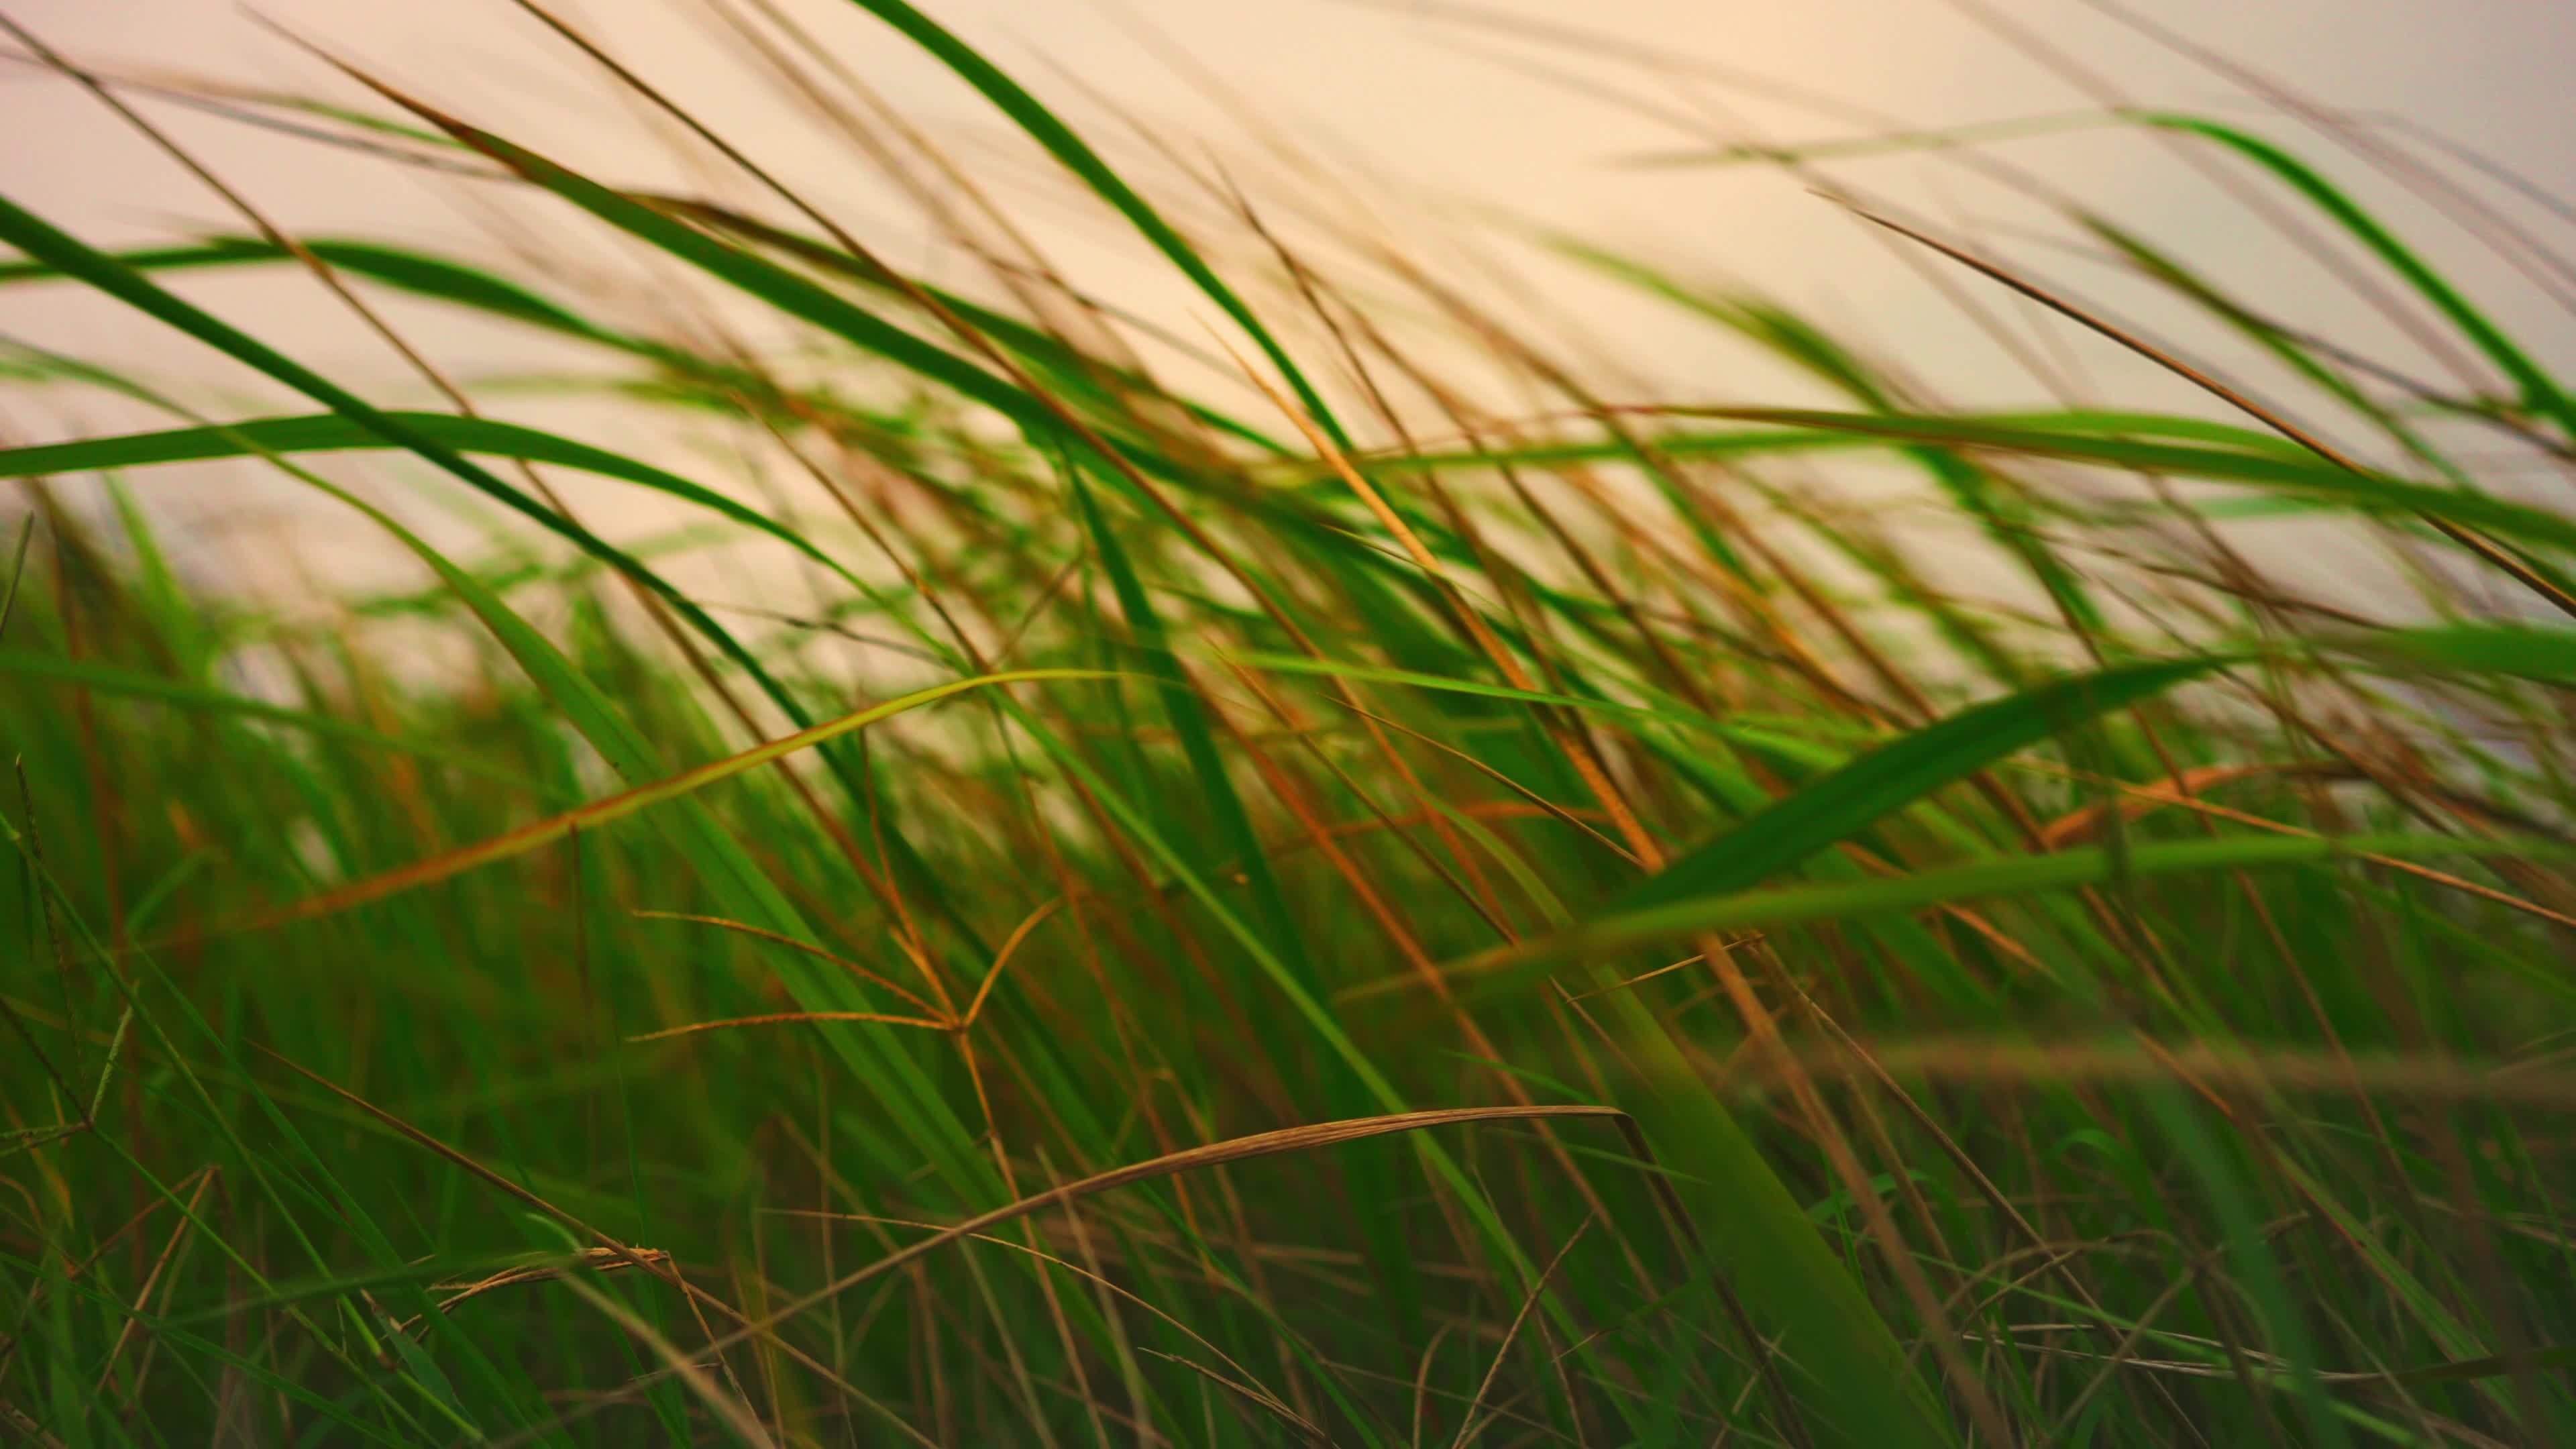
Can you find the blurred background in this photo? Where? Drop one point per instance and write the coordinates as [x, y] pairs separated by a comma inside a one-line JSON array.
[[1474, 123]]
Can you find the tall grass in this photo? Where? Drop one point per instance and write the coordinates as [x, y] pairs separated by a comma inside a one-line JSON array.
[[1322, 907]]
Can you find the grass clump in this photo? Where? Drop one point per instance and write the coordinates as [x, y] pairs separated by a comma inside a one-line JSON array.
[[1309, 907]]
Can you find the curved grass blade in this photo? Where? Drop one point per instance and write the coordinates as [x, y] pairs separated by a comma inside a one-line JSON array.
[[2547, 582], [790, 293], [334, 432], [1895, 775], [1047, 130], [2085, 423], [2540, 391], [412, 271], [2002, 512], [440, 279], [1064, 363]]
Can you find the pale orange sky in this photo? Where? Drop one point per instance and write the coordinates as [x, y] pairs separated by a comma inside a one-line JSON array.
[[1423, 112]]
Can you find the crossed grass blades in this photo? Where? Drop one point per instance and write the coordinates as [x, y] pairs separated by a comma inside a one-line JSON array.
[[1373, 919]]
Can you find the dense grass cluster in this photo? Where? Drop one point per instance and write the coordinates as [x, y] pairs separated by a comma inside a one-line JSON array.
[[1378, 918]]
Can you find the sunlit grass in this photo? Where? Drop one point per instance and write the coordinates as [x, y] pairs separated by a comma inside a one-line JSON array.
[[1376, 918]]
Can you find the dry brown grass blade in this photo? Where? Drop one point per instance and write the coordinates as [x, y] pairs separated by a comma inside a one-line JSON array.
[[1069, 1266], [1002, 958], [1250, 1395], [778, 939], [143, 1296], [1470, 1426], [2079, 825], [788, 1018], [1190, 1159], [594, 1260], [1541, 802], [35, 1433], [1626, 982]]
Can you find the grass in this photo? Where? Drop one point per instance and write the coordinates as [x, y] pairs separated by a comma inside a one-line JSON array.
[[1310, 908]]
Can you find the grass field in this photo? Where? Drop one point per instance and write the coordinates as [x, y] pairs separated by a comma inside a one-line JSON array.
[[1329, 909]]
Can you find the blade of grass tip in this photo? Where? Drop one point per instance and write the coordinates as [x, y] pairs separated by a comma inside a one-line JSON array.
[[2540, 392], [2545, 656], [1044, 127], [2494, 554]]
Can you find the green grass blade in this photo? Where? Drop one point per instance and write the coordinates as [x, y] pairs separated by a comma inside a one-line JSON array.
[[1047, 130], [2016, 875], [333, 432], [2541, 392], [1895, 775]]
